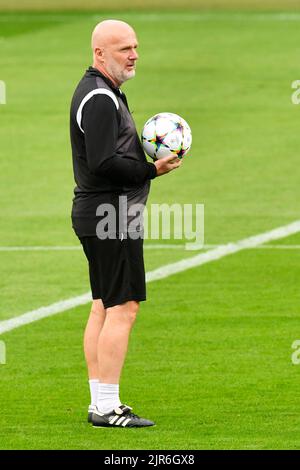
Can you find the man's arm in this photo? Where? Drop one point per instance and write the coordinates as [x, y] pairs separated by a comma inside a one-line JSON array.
[[100, 125]]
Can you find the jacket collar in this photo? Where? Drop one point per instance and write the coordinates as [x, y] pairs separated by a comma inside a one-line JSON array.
[[95, 72]]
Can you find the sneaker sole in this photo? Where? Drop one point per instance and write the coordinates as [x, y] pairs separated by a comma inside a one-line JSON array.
[[107, 426]]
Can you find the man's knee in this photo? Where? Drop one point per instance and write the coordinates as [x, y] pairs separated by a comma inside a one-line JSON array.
[[97, 307], [133, 310], [125, 313], [129, 312]]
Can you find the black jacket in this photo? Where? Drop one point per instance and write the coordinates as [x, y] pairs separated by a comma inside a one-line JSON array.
[[108, 158]]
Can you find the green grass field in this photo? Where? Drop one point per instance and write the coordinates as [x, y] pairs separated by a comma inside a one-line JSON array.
[[211, 350]]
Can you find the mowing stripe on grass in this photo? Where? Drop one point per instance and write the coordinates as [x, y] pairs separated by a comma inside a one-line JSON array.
[[154, 16], [156, 274]]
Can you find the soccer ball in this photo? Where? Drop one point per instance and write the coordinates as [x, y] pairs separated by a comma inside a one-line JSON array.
[[165, 134]]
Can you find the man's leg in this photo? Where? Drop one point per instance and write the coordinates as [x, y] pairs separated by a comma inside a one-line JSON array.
[[90, 341], [91, 336], [112, 349]]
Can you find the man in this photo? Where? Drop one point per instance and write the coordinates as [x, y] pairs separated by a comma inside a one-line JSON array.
[[109, 163]]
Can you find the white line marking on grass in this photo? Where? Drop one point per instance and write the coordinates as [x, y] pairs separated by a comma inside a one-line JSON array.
[[44, 312], [147, 246], [79, 247], [160, 273], [41, 248], [206, 246], [258, 247], [223, 250]]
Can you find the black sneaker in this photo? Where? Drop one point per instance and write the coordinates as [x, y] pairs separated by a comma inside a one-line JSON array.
[[119, 417]]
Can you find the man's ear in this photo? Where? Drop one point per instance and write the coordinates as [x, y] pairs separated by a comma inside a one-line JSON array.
[[99, 53]]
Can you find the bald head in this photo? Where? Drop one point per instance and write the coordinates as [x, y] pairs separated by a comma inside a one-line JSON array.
[[114, 45], [110, 31]]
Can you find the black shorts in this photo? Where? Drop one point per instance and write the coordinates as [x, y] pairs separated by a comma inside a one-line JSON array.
[[116, 269]]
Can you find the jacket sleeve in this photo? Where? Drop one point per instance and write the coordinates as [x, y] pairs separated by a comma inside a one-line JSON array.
[[100, 125]]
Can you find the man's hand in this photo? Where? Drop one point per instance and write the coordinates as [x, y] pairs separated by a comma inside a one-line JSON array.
[[166, 164]]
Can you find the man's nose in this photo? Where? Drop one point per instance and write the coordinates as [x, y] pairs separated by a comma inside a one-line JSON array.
[[134, 55]]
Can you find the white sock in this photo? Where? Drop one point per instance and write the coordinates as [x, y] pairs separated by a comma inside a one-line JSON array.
[[94, 390], [108, 397]]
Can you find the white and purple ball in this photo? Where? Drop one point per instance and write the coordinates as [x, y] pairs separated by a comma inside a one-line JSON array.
[[166, 134]]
